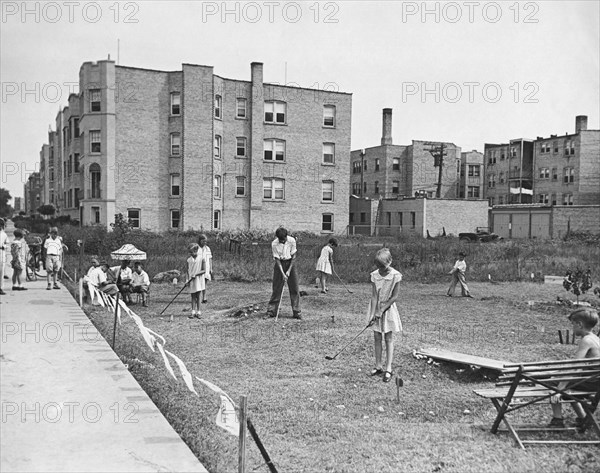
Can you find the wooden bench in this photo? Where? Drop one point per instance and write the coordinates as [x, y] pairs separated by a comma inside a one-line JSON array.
[[526, 384]]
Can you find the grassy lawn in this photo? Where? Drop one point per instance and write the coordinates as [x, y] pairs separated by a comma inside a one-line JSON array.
[[315, 415]]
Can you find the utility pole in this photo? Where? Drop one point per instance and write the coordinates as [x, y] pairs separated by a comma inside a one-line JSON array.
[[437, 150]]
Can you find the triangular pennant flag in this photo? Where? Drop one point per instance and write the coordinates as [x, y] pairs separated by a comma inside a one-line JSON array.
[[101, 299], [143, 330], [227, 417], [166, 359], [93, 293], [185, 374]]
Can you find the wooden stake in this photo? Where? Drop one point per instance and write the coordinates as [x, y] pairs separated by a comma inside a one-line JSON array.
[[242, 436], [115, 325], [81, 292]]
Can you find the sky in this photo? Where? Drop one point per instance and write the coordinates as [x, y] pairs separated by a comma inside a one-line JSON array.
[[469, 73]]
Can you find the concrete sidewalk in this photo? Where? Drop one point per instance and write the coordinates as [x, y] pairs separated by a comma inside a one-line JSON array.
[[68, 402]]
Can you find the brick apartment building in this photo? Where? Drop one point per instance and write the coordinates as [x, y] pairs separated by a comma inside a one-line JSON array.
[[389, 171], [559, 170], [32, 192], [189, 149], [471, 175]]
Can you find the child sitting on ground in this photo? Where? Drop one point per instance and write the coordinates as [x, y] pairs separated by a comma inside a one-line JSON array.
[[583, 321], [140, 282], [385, 286], [196, 281]]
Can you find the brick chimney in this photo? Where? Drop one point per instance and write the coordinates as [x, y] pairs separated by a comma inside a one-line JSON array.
[[580, 123], [386, 137]]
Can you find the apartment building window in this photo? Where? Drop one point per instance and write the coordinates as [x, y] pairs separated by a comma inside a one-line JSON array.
[[554, 174], [400, 219], [240, 147], [544, 173], [175, 184], [473, 192], [327, 223], [328, 153], [95, 99], [95, 180], [175, 218], [241, 107], [569, 147], [502, 155], [75, 127], [363, 217], [365, 187], [134, 217], [70, 199], [501, 178], [217, 146], [175, 103], [568, 175], [553, 199], [274, 150], [175, 144], [95, 143], [327, 191], [500, 199], [474, 170], [217, 186], [396, 164], [377, 164], [356, 188], [376, 187], [491, 201], [543, 199], [70, 165], [218, 102], [217, 219], [273, 189], [413, 219], [64, 168], [567, 199], [275, 112], [356, 167], [395, 187], [51, 174], [555, 146], [492, 181], [513, 152], [240, 186], [76, 162], [95, 214], [365, 165], [329, 116], [76, 197]]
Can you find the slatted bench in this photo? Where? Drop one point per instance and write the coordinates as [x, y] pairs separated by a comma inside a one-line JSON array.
[[526, 384]]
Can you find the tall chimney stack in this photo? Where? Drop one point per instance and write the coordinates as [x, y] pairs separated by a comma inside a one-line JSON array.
[[580, 123], [386, 137]]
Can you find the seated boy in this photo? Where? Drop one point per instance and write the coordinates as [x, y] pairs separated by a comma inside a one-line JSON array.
[[583, 321], [140, 282], [97, 277], [122, 277]]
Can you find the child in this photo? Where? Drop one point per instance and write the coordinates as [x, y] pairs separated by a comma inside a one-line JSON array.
[[53, 249], [284, 252], [140, 282], [385, 284], [583, 321], [3, 242], [325, 263], [195, 275], [458, 276], [18, 250], [206, 256]]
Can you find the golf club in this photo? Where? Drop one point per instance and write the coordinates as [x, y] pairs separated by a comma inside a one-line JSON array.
[[176, 295], [328, 357], [279, 303], [345, 287]]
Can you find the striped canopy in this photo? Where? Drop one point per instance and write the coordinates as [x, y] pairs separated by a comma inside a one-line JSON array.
[[128, 252]]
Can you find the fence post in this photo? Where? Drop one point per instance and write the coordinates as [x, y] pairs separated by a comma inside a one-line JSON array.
[[242, 436], [115, 325], [80, 292]]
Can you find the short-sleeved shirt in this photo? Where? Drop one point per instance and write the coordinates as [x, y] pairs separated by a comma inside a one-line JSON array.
[[124, 273], [97, 276], [53, 246], [284, 251], [460, 266], [141, 279]]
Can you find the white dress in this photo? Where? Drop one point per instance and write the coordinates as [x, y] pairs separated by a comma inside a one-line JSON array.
[[195, 265], [323, 263], [385, 286]]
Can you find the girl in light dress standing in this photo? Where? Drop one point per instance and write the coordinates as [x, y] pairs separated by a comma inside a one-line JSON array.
[[325, 264]]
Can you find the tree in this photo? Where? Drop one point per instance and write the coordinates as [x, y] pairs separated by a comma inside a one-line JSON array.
[[5, 209], [47, 209], [578, 282]]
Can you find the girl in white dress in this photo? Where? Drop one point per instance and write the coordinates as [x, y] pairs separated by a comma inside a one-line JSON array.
[[195, 274], [325, 264], [385, 283]]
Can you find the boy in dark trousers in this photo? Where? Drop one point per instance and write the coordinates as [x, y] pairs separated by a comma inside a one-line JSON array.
[[284, 270], [458, 276]]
